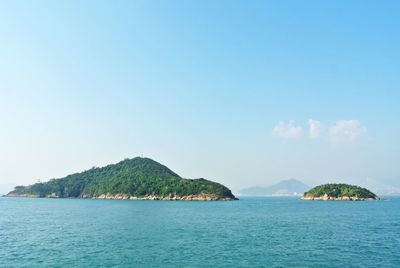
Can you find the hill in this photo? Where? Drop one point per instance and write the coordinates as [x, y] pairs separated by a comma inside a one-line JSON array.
[[137, 178], [382, 188], [285, 187], [339, 192]]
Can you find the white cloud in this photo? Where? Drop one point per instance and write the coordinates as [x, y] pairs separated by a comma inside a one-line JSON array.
[[345, 131], [341, 132], [315, 128], [287, 130]]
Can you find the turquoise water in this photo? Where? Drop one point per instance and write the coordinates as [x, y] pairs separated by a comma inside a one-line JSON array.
[[252, 232]]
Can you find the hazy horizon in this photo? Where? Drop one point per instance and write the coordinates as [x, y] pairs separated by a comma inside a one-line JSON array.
[[242, 93]]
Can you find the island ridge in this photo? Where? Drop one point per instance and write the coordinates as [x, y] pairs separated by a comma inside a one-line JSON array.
[[340, 192], [137, 178]]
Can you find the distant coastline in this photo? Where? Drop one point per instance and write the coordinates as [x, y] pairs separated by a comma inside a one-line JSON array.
[[344, 198], [199, 197]]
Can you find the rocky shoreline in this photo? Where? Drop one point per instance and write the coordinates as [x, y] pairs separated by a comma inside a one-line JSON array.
[[344, 198], [21, 195], [201, 197]]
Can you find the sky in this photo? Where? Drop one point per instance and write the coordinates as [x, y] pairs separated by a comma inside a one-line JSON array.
[[244, 93]]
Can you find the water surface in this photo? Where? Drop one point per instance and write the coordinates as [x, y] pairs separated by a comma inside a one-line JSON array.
[[251, 232]]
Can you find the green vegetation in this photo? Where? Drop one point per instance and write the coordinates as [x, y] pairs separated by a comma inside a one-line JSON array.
[[137, 177], [339, 191]]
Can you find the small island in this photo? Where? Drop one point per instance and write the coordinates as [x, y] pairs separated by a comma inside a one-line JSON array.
[[339, 192], [131, 179]]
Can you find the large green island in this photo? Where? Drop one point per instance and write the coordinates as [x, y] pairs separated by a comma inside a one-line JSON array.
[[133, 179], [341, 192]]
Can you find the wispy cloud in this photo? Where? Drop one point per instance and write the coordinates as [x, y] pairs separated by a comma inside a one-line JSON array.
[[287, 130], [345, 131], [341, 132], [315, 128]]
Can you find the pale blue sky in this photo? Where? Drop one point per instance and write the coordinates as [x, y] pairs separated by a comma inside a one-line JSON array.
[[201, 87]]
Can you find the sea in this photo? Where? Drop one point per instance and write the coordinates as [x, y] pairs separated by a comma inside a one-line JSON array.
[[250, 232]]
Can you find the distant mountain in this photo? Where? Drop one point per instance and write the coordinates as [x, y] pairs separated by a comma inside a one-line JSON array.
[[382, 188], [285, 187], [137, 178]]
